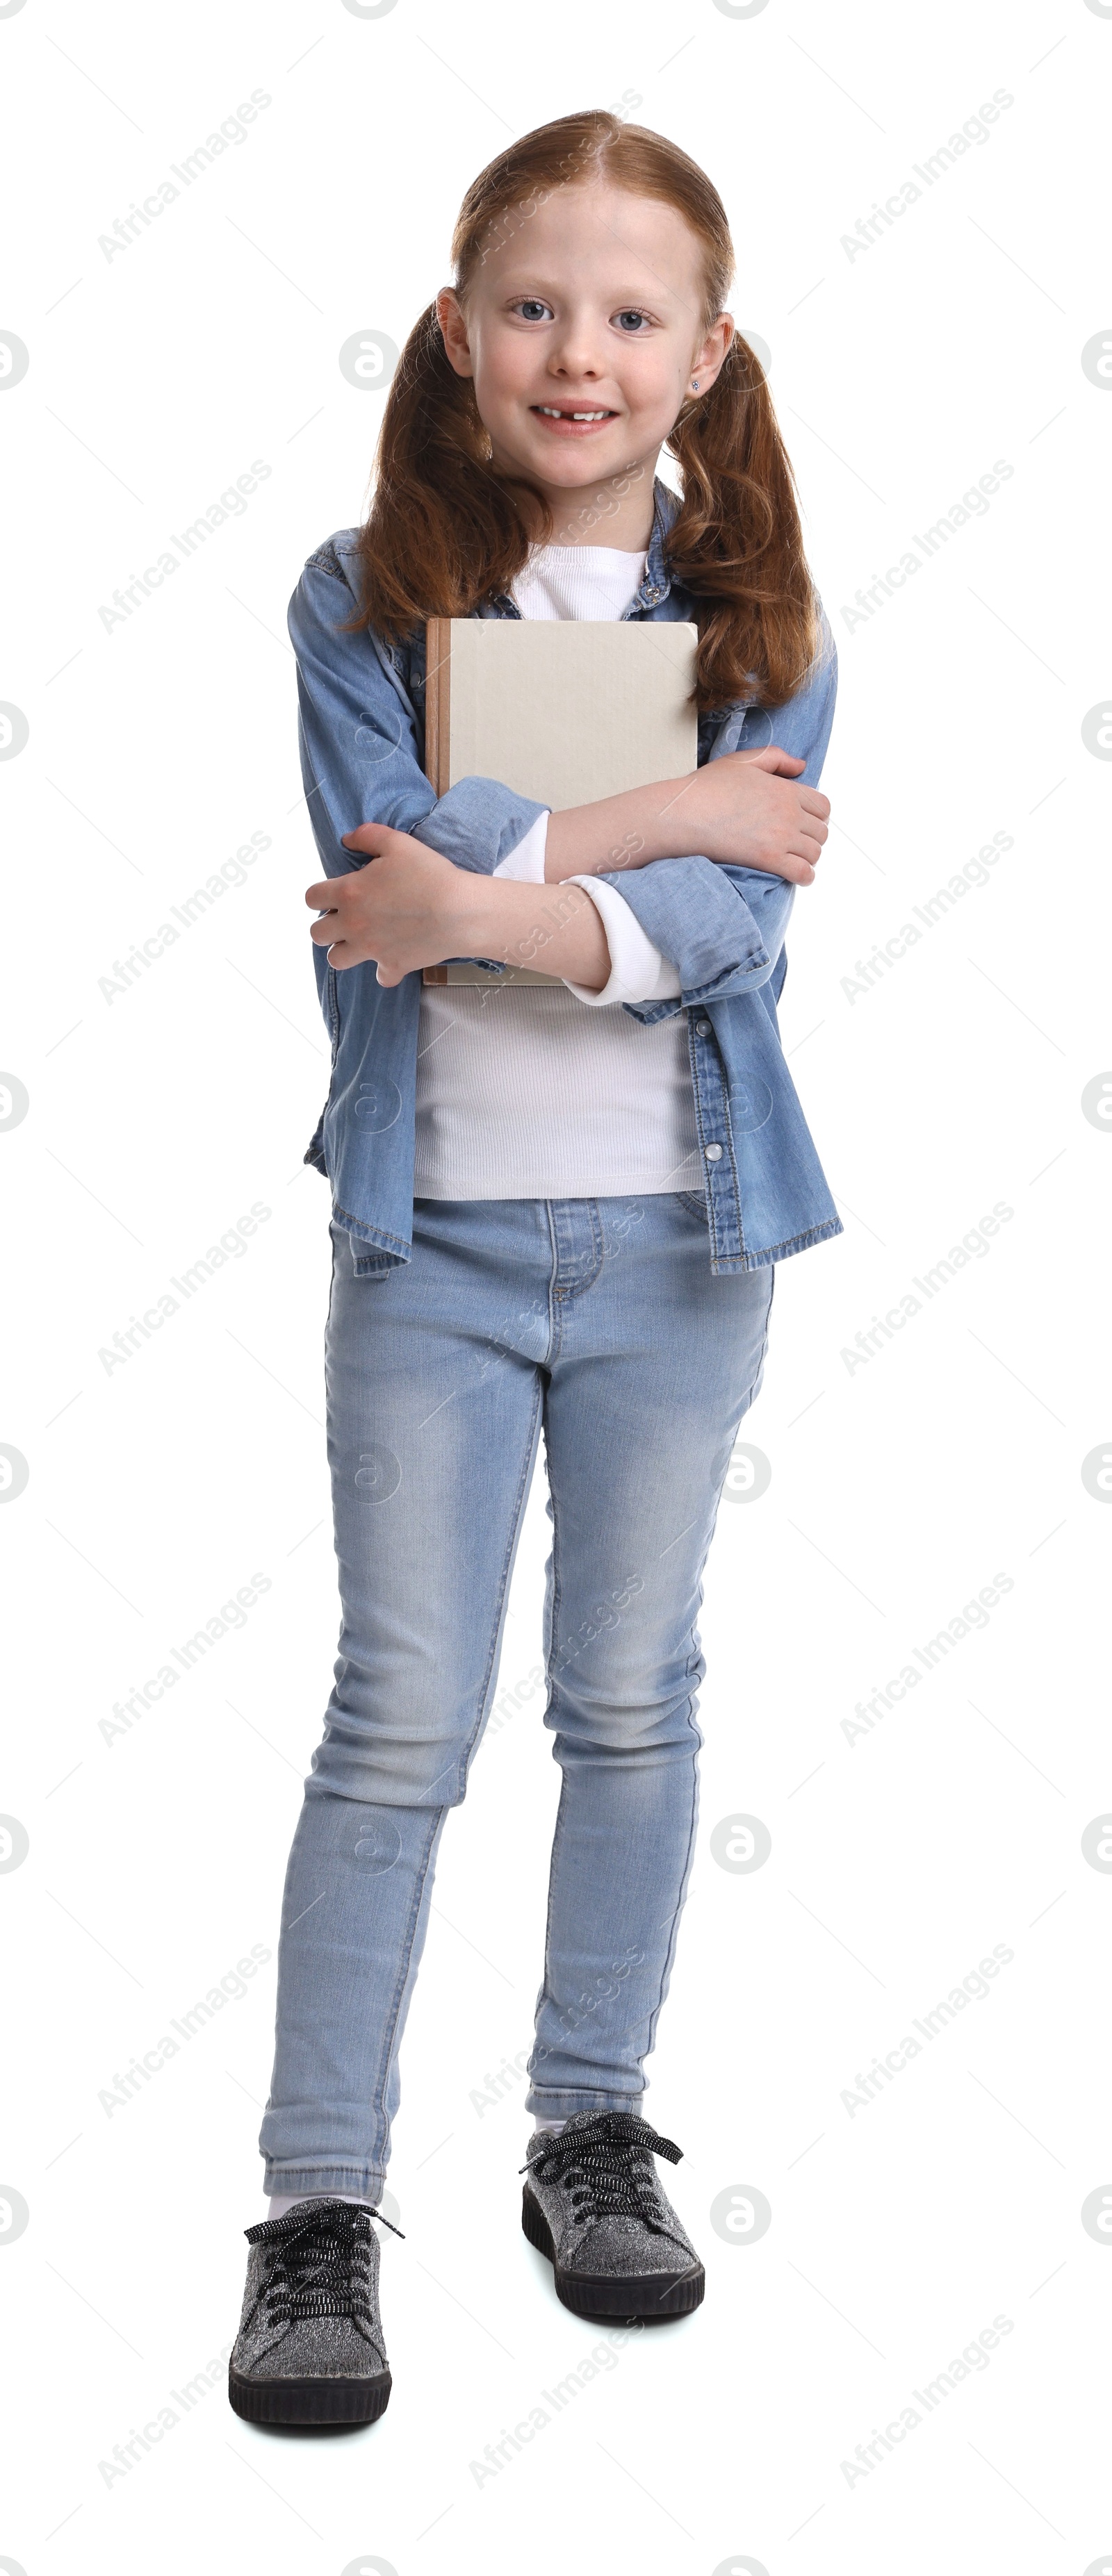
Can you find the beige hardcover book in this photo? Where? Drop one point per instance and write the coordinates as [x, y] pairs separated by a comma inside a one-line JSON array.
[[564, 711]]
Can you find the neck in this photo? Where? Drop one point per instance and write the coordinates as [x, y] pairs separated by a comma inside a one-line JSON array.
[[618, 512]]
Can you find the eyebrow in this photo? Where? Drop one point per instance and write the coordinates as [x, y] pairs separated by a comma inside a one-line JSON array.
[[531, 284]]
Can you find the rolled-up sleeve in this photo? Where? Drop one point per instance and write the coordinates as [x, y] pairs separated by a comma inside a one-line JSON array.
[[721, 926], [638, 971], [712, 922]]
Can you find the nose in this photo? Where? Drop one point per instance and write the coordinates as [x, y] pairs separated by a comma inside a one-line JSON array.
[[576, 353]]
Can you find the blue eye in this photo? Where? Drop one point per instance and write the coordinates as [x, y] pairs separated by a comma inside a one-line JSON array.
[[630, 317], [531, 308]]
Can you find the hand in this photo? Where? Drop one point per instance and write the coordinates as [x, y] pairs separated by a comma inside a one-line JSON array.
[[404, 911], [412, 908], [745, 809]]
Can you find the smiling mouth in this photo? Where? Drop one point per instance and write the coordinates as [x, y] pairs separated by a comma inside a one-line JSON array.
[[550, 411]]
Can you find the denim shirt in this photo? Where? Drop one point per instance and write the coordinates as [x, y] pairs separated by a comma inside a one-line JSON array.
[[362, 701]]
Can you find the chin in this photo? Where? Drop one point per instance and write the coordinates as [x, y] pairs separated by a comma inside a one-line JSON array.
[[577, 460]]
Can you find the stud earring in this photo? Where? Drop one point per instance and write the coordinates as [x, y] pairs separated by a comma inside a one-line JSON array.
[[694, 384]]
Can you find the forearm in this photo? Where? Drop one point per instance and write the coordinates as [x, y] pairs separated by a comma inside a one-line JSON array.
[[621, 831], [740, 809], [410, 907], [551, 929]]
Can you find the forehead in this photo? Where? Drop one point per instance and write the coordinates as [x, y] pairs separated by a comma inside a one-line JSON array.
[[598, 236]]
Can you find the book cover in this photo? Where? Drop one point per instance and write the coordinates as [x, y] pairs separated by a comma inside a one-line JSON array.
[[567, 712]]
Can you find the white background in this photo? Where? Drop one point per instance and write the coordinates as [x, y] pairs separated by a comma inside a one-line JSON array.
[[898, 1489]]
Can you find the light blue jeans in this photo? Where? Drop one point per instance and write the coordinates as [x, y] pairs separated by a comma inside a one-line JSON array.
[[600, 1321]]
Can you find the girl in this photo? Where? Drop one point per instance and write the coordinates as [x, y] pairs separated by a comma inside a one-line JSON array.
[[553, 1208]]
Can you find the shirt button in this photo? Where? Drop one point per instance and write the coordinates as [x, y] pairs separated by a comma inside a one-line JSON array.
[[713, 1153], [702, 1028]]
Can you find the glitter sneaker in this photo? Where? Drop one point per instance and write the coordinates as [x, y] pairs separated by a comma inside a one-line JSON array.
[[310, 2348], [593, 2204]]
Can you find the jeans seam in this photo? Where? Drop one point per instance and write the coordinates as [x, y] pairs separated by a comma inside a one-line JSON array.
[[670, 1945], [681, 1897], [555, 1308], [562, 1298], [390, 2030], [524, 1477], [557, 1832]]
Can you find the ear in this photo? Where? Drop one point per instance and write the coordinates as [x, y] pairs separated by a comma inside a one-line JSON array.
[[707, 361], [453, 331]]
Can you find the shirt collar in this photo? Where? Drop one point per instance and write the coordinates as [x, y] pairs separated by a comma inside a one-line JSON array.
[[657, 582]]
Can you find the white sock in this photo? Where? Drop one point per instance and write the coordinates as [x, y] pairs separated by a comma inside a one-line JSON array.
[[552, 2126], [281, 2201]]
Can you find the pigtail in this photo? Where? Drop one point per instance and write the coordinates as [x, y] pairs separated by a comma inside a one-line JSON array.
[[444, 530], [737, 541]]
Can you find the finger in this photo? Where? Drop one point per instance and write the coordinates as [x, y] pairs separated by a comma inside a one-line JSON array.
[[791, 864], [793, 867], [322, 897], [814, 803], [369, 839], [783, 764]]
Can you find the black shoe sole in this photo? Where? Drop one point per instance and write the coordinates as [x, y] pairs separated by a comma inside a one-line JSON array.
[[649, 2295], [309, 2401]]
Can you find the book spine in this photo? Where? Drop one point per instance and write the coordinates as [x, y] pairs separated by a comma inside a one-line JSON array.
[[438, 646]]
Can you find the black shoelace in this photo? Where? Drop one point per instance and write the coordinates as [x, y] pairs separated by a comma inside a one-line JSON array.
[[606, 2169], [321, 2265]]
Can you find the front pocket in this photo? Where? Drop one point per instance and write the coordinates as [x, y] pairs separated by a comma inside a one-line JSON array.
[[695, 1203]]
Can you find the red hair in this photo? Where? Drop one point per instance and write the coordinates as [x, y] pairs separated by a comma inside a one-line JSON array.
[[446, 530]]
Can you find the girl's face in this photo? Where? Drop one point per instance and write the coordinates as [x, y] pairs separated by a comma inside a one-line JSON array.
[[583, 330]]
